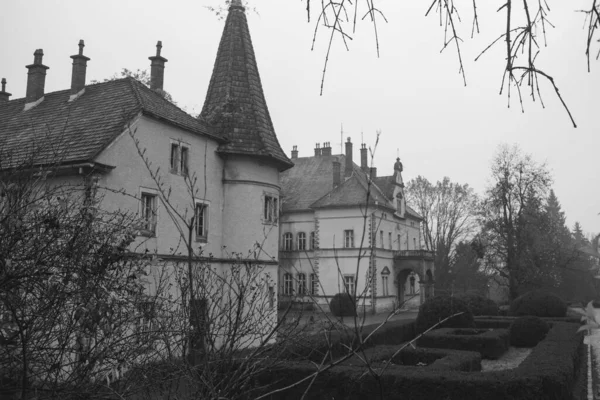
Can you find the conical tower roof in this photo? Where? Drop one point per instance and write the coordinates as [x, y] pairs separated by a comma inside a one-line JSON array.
[[235, 101]]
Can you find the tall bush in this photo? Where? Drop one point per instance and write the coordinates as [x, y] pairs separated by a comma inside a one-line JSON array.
[[539, 304], [343, 305], [437, 308], [479, 305]]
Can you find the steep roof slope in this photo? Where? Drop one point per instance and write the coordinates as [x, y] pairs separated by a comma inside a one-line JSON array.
[[235, 101], [309, 184], [57, 130]]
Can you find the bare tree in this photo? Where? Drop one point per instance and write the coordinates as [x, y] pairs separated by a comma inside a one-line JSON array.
[[524, 32], [518, 185], [449, 213], [72, 305]]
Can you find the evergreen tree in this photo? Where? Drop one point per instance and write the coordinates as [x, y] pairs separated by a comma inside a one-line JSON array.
[[578, 234]]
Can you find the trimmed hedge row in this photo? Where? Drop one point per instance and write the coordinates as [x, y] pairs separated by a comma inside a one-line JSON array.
[[492, 322], [549, 372], [489, 343], [315, 347], [446, 359]]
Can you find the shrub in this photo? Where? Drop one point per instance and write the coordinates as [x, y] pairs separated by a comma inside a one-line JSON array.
[[489, 343], [538, 304], [343, 305], [528, 331], [549, 372], [437, 308], [480, 305]]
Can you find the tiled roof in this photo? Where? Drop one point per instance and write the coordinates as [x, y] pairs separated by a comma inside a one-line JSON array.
[[386, 184], [310, 184], [235, 101], [411, 211], [70, 132]]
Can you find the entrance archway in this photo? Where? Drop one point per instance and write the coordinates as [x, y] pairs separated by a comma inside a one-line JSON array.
[[408, 288]]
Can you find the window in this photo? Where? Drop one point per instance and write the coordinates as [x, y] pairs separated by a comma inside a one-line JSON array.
[[349, 238], [415, 243], [148, 213], [390, 240], [314, 284], [145, 325], [179, 159], [301, 241], [184, 161], [399, 243], [174, 157], [384, 284], [301, 284], [312, 241], [349, 284], [287, 241], [201, 222], [271, 297], [288, 287], [381, 239], [271, 212]]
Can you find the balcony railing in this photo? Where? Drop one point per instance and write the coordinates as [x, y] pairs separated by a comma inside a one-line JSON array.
[[414, 254]]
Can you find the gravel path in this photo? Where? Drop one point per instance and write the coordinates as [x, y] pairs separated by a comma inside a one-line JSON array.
[[593, 342], [511, 359]]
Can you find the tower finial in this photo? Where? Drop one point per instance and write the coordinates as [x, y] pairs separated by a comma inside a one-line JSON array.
[[81, 46], [4, 84], [158, 47]]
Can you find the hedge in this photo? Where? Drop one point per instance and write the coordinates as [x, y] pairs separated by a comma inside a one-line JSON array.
[[489, 343], [539, 304], [550, 372], [503, 322], [409, 357], [315, 347]]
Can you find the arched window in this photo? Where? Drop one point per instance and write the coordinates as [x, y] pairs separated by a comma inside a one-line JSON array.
[[301, 241], [287, 241], [385, 274], [301, 284]]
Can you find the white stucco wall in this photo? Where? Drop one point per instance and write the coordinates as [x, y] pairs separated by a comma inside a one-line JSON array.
[[132, 176]]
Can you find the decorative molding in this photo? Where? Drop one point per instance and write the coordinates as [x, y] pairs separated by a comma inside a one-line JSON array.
[[250, 182]]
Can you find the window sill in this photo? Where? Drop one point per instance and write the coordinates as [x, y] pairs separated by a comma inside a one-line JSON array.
[[202, 239], [274, 223]]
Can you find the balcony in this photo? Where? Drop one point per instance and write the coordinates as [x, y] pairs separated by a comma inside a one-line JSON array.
[[413, 255]]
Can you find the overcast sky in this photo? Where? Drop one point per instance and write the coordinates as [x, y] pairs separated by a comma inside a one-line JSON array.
[[412, 93]]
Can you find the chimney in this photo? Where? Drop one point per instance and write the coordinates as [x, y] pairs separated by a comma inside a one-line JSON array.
[[317, 150], [373, 172], [336, 173], [295, 152], [326, 150], [364, 158], [4, 95], [157, 69], [79, 68], [349, 164], [36, 78]]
